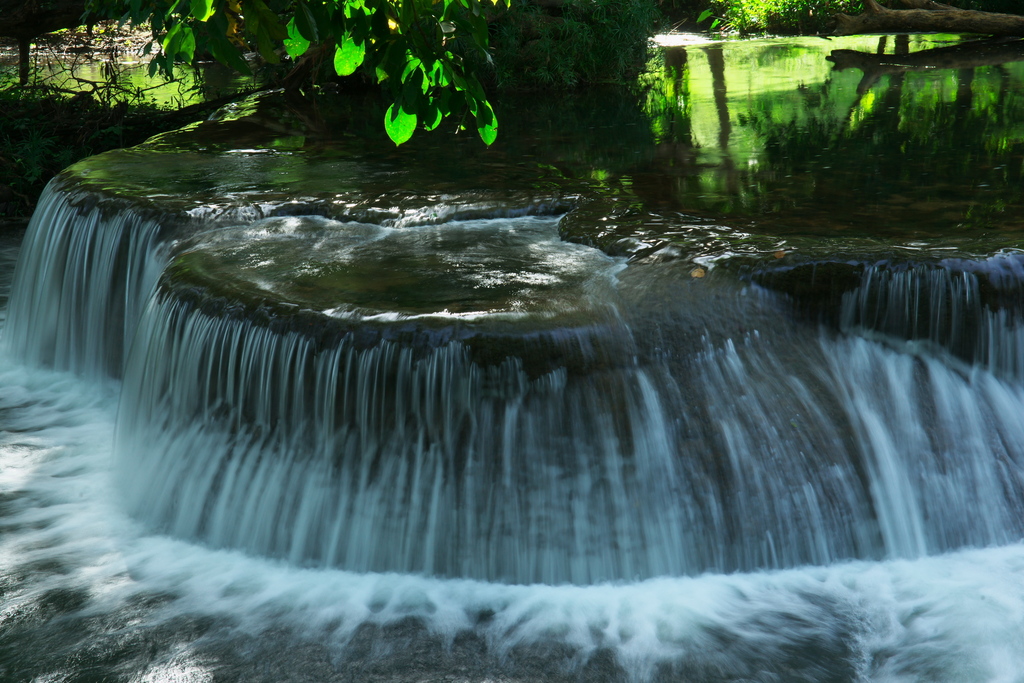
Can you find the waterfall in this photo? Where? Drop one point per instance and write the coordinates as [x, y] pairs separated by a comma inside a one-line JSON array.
[[84, 274], [381, 458], [970, 309], [654, 457], [662, 441], [735, 457]]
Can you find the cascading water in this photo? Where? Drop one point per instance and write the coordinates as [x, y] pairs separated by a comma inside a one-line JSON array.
[[82, 284], [970, 309], [707, 455], [385, 459], [246, 438]]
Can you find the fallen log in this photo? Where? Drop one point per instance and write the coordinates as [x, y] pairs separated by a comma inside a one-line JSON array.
[[927, 17]]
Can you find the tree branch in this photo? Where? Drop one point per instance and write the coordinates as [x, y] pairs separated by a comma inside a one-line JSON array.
[[877, 19]]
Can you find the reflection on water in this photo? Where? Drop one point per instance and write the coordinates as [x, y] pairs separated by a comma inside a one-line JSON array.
[[738, 148], [770, 137], [125, 76]]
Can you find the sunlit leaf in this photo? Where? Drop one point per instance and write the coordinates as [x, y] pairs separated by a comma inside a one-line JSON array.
[[188, 44], [486, 123], [438, 74], [296, 44], [202, 9], [412, 65], [488, 133], [399, 124], [433, 117], [428, 52], [172, 40], [348, 56]]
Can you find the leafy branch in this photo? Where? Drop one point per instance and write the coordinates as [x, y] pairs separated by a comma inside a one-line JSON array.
[[427, 53]]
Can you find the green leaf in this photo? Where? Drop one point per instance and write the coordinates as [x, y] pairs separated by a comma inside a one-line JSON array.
[[226, 53], [202, 9], [172, 40], [188, 44], [439, 74], [704, 16], [484, 113], [433, 116], [411, 65], [487, 124], [266, 48], [399, 124], [296, 44], [180, 40], [348, 56], [488, 133], [270, 25], [306, 23], [412, 89]]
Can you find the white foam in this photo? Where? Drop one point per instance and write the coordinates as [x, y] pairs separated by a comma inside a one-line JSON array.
[[958, 617]]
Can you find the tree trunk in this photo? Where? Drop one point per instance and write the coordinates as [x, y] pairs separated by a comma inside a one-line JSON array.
[[927, 17], [24, 54]]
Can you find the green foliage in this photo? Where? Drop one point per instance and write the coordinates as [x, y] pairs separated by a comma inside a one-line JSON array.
[[708, 14], [42, 132], [399, 123], [780, 16], [428, 53], [584, 41]]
